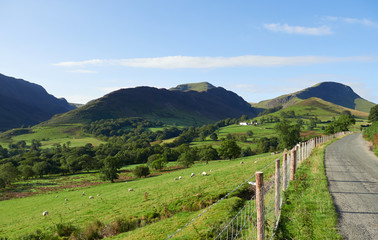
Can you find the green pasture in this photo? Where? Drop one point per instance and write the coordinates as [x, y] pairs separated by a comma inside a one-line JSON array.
[[54, 134], [24, 215]]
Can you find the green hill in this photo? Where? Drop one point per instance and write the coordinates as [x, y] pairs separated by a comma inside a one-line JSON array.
[[332, 92], [180, 107]]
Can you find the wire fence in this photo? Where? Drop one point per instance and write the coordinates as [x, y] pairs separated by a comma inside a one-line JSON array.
[[244, 224]]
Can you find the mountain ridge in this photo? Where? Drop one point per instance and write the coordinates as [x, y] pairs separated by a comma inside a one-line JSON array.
[[26, 103], [333, 92]]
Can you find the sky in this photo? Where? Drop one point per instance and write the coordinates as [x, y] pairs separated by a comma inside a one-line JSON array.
[[84, 49]]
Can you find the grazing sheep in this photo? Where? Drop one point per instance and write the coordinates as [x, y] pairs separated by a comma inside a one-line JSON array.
[[66, 199], [180, 177], [83, 194], [130, 189], [211, 170], [45, 213], [98, 195], [255, 161], [192, 175], [91, 197], [56, 196], [241, 162], [204, 173], [176, 178]]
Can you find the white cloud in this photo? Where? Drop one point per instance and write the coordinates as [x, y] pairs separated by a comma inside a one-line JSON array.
[[82, 99], [180, 62], [364, 21], [316, 31]]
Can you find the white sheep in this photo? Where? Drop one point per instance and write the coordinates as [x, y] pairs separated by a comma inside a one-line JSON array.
[[98, 195], [192, 175], [252, 183], [211, 170], [180, 177], [56, 196], [241, 162], [66, 199], [91, 197], [130, 189], [176, 178], [204, 173], [83, 194], [45, 213]]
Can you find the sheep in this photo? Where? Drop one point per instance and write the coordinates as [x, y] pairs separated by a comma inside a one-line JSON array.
[[180, 177], [192, 175], [45, 213], [56, 196], [204, 173], [252, 183], [130, 189], [98, 195], [176, 178], [91, 197], [83, 194], [66, 199], [241, 162], [211, 170]]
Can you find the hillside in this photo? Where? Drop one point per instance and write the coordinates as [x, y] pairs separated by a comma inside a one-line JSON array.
[[332, 92], [180, 107], [25, 103]]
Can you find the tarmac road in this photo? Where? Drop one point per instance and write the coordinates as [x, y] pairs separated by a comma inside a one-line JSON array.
[[352, 172]]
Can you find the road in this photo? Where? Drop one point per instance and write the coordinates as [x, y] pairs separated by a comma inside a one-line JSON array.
[[352, 172]]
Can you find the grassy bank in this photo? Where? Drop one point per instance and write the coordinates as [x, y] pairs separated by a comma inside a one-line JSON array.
[[308, 211]]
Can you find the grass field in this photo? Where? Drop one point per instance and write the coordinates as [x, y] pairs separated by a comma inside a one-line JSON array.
[[180, 198]]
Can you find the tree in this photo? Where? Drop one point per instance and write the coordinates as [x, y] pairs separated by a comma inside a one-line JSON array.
[[249, 133], [341, 124], [214, 136], [288, 135], [40, 168], [188, 158], [26, 171], [208, 153], [229, 149], [157, 161], [141, 171], [8, 173], [110, 169], [373, 116]]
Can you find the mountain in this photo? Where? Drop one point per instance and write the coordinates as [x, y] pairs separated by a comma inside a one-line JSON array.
[[170, 106], [333, 92], [25, 103], [199, 87]]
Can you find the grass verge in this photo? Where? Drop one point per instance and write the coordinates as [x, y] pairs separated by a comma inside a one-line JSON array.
[[308, 211]]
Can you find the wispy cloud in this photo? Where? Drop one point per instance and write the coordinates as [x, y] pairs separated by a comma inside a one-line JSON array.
[[364, 21], [181, 62], [83, 71], [285, 28]]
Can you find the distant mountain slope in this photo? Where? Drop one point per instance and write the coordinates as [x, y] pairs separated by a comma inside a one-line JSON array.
[[199, 87], [333, 92], [187, 108], [25, 103]]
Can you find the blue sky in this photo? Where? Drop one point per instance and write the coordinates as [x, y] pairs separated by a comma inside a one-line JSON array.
[[82, 50]]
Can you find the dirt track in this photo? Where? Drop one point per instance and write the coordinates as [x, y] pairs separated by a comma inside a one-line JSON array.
[[352, 172]]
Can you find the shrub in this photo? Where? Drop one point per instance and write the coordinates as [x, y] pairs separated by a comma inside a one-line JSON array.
[[141, 171]]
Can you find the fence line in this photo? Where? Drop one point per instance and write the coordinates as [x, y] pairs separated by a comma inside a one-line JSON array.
[[265, 213]]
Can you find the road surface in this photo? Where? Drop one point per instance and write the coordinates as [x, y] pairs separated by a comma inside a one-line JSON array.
[[352, 172]]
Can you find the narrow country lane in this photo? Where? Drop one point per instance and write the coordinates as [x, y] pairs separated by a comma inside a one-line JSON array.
[[352, 172]]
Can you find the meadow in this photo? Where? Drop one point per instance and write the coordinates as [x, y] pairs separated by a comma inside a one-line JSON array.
[[158, 199]]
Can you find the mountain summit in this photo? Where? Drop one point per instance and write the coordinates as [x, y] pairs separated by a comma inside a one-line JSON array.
[[25, 103], [198, 87], [332, 92]]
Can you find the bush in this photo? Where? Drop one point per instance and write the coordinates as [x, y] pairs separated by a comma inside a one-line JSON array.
[[141, 171]]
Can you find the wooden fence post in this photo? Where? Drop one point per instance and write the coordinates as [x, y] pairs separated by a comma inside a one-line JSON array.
[[277, 188], [260, 205], [293, 164], [284, 171]]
